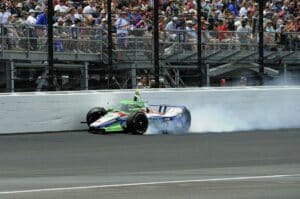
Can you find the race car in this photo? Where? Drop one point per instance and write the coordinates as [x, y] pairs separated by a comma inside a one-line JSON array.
[[136, 117]]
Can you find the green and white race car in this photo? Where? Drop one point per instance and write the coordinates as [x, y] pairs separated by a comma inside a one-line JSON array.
[[134, 116]]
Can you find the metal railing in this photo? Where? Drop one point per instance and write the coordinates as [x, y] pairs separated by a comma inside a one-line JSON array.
[[65, 39], [137, 45]]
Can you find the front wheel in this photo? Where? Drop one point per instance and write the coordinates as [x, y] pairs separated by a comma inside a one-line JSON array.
[[137, 123], [94, 114]]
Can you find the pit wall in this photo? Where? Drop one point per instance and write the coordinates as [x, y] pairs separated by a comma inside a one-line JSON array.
[[212, 109]]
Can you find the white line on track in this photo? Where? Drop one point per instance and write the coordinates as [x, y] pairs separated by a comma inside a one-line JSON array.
[[149, 183]]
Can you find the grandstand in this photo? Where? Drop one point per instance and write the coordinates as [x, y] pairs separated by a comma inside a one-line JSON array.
[[229, 43]]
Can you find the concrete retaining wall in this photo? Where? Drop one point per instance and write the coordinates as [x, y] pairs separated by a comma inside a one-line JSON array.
[[213, 109]]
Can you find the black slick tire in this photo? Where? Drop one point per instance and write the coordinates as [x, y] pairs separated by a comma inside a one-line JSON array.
[[137, 123], [94, 114], [185, 121]]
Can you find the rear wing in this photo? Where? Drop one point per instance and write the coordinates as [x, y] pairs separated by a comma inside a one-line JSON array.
[[162, 108]]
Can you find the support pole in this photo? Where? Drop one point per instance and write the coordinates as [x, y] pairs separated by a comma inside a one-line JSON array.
[[261, 42], [207, 76], [285, 73], [9, 76], [50, 46], [156, 43], [86, 76], [133, 76], [202, 69], [110, 43], [12, 76], [2, 39], [177, 78]]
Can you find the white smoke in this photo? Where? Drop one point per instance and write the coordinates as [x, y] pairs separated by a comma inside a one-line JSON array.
[[246, 116], [286, 79], [212, 119]]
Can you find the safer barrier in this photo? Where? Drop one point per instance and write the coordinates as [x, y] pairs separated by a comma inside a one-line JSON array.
[[213, 109]]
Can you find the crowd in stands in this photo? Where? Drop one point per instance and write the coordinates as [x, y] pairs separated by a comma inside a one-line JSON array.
[[175, 16]]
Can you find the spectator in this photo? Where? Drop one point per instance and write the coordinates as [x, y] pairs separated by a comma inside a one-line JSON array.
[[42, 18], [222, 30], [252, 8], [206, 7], [29, 4], [61, 7], [191, 33], [212, 19], [297, 25], [122, 26], [13, 37], [79, 14], [31, 20], [244, 9], [255, 23], [171, 29], [2, 9], [232, 8], [205, 36], [90, 9], [17, 9], [41, 30], [269, 26], [135, 17], [5, 15], [101, 17], [230, 22], [144, 82], [243, 34], [222, 82]]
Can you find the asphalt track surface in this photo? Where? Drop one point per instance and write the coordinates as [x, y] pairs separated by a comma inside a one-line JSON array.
[[260, 164]]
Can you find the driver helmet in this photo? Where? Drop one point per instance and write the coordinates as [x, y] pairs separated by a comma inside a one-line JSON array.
[[137, 95], [137, 92]]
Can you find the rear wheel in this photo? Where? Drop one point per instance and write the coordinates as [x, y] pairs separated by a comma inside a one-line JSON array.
[[94, 114], [137, 123], [185, 121]]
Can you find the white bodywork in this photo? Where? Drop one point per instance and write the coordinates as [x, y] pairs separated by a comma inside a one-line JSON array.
[[109, 117]]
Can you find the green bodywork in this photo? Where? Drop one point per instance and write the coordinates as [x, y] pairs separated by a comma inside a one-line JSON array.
[[115, 127], [126, 106]]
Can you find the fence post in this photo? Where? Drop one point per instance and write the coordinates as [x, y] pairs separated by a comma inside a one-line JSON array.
[[285, 73], [2, 39], [156, 43], [12, 76], [261, 43], [50, 15], [133, 75], [202, 69], [101, 43], [110, 41], [86, 76], [28, 29], [207, 75]]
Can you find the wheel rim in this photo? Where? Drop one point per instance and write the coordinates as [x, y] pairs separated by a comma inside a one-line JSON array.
[[141, 124]]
